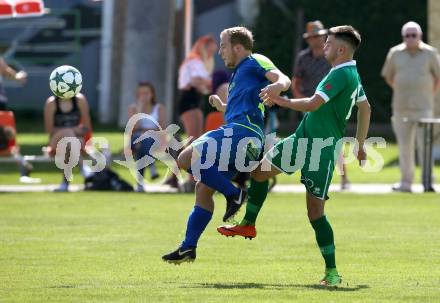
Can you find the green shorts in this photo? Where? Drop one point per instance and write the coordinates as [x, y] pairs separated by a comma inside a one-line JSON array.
[[295, 153]]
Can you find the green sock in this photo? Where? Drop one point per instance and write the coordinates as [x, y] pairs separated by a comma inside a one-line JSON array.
[[324, 237], [257, 193]]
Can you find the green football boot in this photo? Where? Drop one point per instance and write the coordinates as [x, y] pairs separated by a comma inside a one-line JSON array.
[[331, 278]]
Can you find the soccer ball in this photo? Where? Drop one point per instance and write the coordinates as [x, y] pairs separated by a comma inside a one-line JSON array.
[[65, 81]]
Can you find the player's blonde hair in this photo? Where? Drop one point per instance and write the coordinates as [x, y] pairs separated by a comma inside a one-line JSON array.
[[240, 35]]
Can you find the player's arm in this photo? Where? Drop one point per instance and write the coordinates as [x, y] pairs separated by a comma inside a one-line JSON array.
[[363, 123], [216, 102], [303, 105], [279, 82]]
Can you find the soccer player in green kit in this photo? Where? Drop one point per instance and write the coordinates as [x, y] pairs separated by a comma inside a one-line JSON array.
[[324, 124]]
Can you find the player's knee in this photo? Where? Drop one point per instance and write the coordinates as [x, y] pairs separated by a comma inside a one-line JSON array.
[[258, 176], [184, 159], [203, 192], [313, 215]]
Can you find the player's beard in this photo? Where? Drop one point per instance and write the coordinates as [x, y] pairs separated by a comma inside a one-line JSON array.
[[330, 57], [231, 63]]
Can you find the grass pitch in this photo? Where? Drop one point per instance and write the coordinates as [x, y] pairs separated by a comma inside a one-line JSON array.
[[101, 247]]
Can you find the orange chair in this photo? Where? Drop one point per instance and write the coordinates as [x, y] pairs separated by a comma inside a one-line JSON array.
[[214, 120], [7, 119]]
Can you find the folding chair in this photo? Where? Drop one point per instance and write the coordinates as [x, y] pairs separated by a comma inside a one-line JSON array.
[[7, 119], [214, 120]]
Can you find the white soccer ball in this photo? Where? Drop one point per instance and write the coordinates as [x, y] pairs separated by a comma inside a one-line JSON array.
[[65, 81]]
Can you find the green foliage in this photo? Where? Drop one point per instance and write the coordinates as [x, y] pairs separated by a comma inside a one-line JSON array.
[[378, 21]]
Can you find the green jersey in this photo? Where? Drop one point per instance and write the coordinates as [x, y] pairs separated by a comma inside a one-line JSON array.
[[340, 89]]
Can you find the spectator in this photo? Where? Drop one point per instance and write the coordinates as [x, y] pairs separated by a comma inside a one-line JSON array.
[[66, 118], [7, 133], [310, 68], [9, 147], [145, 103], [194, 82], [9, 72], [412, 70]]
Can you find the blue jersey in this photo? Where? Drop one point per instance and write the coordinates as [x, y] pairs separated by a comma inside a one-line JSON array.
[[244, 106]]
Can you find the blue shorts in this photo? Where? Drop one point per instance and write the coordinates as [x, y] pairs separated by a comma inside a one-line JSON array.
[[142, 148], [232, 148]]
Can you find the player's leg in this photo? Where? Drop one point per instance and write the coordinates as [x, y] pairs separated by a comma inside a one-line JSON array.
[[196, 154], [257, 193], [324, 238], [193, 125], [272, 164], [197, 222], [258, 189], [317, 183], [211, 176]]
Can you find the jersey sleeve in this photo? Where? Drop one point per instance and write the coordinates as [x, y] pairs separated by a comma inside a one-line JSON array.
[[331, 85], [361, 94], [264, 64]]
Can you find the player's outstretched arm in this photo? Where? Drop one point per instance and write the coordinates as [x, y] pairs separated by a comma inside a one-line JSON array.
[[363, 123], [302, 105], [279, 82]]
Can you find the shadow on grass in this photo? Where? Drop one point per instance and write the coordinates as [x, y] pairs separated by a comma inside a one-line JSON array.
[[63, 286], [245, 285]]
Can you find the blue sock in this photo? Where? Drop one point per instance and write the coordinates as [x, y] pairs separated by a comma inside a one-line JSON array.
[[197, 222], [214, 179]]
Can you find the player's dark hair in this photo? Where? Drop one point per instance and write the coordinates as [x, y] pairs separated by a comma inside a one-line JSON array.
[[240, 35], [153, 91], [346, 33]]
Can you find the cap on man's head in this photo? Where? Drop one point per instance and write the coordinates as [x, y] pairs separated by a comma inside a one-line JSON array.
[[412, 25], [314, 28]]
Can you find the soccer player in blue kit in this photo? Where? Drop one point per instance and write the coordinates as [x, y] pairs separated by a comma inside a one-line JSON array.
[[241, 138]]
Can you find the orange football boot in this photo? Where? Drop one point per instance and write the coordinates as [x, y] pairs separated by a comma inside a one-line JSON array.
[[246, 231]]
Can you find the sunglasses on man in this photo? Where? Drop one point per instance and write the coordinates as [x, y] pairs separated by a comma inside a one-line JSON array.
[[407, 36]]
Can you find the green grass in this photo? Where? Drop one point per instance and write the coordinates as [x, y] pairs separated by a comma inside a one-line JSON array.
[[100, 247]]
